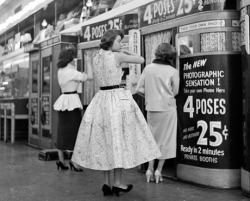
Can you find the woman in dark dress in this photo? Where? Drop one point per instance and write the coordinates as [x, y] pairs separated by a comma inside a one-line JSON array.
[[69, 104]]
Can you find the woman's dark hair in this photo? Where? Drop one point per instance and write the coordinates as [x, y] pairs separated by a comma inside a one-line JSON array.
[[165, 53], [109, 37], [65, 57], [184, 50]]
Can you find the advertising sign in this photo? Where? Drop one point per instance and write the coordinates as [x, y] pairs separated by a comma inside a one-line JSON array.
[[210, 111], [45, 110], [34, 111], [134, 69], [95, 31], [163, 10]]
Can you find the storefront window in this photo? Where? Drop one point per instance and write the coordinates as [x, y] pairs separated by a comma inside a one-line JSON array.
[[46, 74], [236, 41], [213, 42], [153, 40], [14, 82]]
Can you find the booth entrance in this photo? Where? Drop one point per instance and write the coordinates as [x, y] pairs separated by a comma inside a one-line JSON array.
[[44, 90], [208, 45]]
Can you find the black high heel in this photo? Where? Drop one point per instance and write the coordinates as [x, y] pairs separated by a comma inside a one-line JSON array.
[[61, 165], [74, 168], [106, 190], [117, 190]]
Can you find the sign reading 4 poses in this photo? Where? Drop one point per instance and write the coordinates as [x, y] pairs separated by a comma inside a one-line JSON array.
[[163, 10], [210, 111], [95, 31]]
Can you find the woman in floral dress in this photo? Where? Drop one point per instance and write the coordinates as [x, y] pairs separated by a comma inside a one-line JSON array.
[[113, 134]]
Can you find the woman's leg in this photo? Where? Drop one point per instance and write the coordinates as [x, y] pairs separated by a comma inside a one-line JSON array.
[[118, 185], [107, 177], [151, 165], [158, 175], [150, 171], [117, 177], [61, 156], [160, 164]]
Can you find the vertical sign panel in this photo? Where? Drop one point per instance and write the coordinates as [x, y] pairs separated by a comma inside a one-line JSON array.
[[134, 69], [210, 111]]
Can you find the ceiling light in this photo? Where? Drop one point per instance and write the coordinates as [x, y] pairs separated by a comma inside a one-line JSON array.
[[89, 3], [44, 23], [2, 1]]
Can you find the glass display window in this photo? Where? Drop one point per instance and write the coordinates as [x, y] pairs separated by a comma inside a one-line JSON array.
[[153, 40], [14, 81], [35, 68], [46, 63], [213, 42]]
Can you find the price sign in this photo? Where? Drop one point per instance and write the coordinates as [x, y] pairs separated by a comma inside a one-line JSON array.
[[95, 31], [163, 10], [209, 108]]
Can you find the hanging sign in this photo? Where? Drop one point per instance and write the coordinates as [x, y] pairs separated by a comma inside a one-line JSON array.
[[210, 111], [163, 10], [95, 31]]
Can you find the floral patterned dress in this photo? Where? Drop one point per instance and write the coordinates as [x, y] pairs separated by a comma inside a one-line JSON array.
[[113, 132]]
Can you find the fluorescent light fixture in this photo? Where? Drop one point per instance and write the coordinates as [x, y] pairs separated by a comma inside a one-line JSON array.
[[2, 1], [5, 83], [44, 23], [89, 3]]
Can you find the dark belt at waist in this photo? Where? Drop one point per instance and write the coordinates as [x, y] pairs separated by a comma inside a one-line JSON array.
[[110, 87], [72, 92]]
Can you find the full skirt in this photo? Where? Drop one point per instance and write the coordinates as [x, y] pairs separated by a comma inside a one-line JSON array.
[[114, 133]]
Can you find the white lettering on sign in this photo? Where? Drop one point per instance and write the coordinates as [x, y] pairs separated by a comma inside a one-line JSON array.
[[204, 74], [160, 8], [211, 106], [205, 24], [198, 63], [215, 137], [96, 32], [214, 106]]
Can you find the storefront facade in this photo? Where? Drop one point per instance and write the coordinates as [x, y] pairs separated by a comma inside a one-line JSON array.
[[209, 138], [208, 38]]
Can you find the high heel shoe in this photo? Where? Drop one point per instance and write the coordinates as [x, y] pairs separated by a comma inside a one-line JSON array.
[[117, 190], [106, 190], [74, 168], [149, 176], [61, 165], [158, 176]]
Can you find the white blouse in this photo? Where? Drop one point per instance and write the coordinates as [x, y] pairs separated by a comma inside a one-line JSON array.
[[69, 80]]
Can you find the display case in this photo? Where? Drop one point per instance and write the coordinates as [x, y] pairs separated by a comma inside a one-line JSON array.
[[14, 82]]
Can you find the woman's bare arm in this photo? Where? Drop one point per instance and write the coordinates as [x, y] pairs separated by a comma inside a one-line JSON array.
[[126, 56]]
